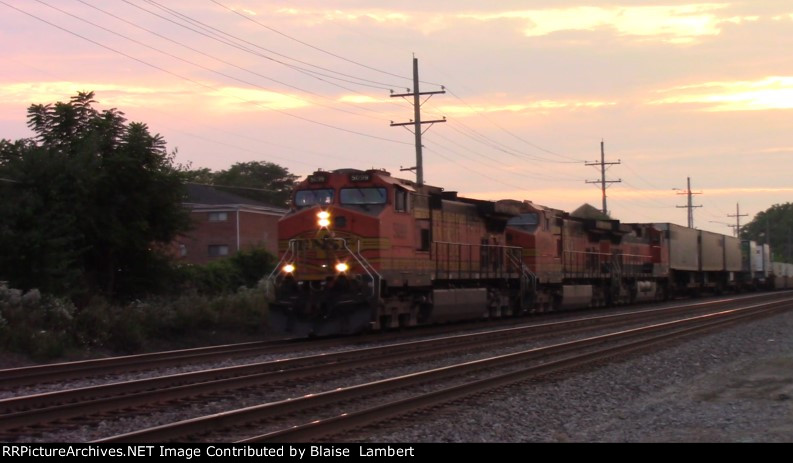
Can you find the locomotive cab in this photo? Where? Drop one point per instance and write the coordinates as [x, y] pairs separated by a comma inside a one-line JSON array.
[[347, 233]]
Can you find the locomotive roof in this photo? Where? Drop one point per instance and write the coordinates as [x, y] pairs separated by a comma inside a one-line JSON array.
[[386, 177]]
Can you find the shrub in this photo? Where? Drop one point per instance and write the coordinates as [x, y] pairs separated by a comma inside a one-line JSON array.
[[36, 325], [45, 327], [225, 276]]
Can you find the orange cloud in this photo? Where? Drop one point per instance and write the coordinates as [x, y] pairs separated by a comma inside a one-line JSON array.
[[222, 99], [675, 24], [774, 92]]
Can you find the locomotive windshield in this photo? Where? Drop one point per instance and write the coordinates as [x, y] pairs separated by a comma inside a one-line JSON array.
[[363, 195], [305, 198]]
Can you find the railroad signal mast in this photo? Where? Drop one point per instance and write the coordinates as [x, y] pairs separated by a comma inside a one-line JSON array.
[[416, 121]]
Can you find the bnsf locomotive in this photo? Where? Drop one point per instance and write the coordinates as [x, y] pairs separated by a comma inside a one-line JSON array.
[[364, 250]]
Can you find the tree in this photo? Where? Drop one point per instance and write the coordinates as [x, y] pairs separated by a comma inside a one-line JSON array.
[[39, 243], [93, 202], [203, 176], [775, 227], [259, 180]]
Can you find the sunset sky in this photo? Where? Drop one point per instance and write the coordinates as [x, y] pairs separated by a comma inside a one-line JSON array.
[[675, 89]]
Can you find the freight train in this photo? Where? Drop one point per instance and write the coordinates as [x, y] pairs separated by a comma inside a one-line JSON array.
[[362, 250]]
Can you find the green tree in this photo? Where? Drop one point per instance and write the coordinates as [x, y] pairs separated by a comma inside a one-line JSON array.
[[775, 227], [93, 202], [259, 180], [39, 244], [203, 176]]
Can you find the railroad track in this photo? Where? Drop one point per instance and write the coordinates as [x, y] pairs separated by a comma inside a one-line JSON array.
[[362, 405], [60, 372], [37, 410]]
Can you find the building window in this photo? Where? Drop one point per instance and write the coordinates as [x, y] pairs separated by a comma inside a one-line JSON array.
[[218, 216], [218, 250]]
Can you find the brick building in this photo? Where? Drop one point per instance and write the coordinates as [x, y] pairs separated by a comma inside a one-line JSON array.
[[224, 223]]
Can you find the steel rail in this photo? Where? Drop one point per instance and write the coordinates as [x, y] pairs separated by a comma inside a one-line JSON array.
[[279, 409], [357, 419], [339, 359], [39, 409], [40, 374], [53, 372]]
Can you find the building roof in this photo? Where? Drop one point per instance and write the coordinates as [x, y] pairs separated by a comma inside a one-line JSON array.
[[208, 195], [587, 211]]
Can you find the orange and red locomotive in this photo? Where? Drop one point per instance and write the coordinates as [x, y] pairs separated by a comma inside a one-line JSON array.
[[365, 250]]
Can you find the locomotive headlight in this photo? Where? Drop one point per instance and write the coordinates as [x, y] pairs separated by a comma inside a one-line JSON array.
[[324, 219], [341, 267], [288, 268]]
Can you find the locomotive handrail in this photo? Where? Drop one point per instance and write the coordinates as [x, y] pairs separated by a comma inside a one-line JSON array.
[[590, 263], [454, 256], [366, 266], [608, 254], [526, 275], [289, 251]]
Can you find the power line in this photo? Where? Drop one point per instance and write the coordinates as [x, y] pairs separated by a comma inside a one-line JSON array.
[[218, 34], [479, 113], [489, 142], [297, 68], [497, 163], [658, 204], [477, 172], [204, 54], [305, 119], [308, 44]]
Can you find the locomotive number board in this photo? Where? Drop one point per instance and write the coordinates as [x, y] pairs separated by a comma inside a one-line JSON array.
[[360, 177]]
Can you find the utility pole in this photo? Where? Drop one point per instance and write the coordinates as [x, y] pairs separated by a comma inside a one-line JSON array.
[[603, 180], [690, 207], [737, 216], [416, 121]]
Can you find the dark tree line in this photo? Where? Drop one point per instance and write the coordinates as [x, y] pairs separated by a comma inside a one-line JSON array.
[[87, 203], [90, 204], [775, 227], [258, 180]]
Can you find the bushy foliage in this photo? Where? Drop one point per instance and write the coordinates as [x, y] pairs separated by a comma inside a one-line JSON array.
[[45, 328], [36, 325], [775, 227], [223, 276], [88, 201], [261, 181]]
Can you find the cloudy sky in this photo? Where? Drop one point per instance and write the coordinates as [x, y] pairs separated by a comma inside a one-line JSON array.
[[675, 89]]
